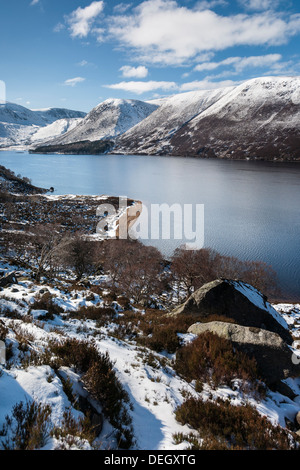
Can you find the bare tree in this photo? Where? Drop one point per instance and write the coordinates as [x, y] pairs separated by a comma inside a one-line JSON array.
[[45, 245], [192, 269], [79, 254], [134, 268]]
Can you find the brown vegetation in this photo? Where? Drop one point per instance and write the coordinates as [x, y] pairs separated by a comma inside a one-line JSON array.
[[222, 426], [193, 268], [28, 428], [210, 358], [100, 380]]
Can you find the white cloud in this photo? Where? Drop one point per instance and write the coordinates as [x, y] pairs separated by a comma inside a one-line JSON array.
[[161, 31], [59, 27], [2, 92], [240, 63], [143, 87], [259, 5], [81, 21], [83, 63], [34, 2], [207, 85], [134, 72], [74, 81], [209, 4], [122, 7]]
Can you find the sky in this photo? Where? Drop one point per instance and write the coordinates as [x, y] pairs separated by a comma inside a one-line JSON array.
[[77, 53]]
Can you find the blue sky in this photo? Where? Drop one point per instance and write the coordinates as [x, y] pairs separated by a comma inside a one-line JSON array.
[[77, 53]]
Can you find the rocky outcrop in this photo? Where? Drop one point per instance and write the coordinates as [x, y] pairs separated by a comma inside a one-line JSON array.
[[238, 301], [273, 356], [8, 280]]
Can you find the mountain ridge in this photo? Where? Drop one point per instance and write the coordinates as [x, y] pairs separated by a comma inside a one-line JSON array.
[[258, 119], [108, 120], [20, 125]]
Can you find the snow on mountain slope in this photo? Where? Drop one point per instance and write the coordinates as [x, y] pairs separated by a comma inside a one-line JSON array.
[[108, 120], [56, 129], [19, 124], [12, 113], [152, 135], [258, 119], [50, 115]]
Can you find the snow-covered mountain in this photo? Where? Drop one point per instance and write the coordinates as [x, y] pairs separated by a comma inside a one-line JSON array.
[[108, 120], [56, 129], [20, 126], [259, 118], [153, 134]]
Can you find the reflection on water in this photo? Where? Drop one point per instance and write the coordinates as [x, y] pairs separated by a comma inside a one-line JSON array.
[[251, 208]]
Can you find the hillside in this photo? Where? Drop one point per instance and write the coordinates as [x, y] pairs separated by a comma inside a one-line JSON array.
[[37, 319], [19, 126], [108, 120], [258, 119], [10, 183], [152, 136]]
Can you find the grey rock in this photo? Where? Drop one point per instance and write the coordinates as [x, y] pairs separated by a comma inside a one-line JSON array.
[[238, 301], [8, 280], [44, 290], [240, 334], [273, 356]]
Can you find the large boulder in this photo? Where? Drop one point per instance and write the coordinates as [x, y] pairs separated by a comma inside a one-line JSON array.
[[238, 301], [273, 356], [8, 280]]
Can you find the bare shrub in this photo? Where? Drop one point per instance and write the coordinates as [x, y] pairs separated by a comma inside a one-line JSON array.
[[210, 358], [72, 432], [134, 268], [101, 381], [101, 314], [225, 426], [45, 245], [46, 302], [28, 427], [79, 254]]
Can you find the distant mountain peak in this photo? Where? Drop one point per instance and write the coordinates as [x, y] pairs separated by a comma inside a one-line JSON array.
[[108, 120], [257, 119], [18, 125]]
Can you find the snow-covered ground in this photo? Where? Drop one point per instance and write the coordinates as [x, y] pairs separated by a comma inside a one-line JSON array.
[[154, 389], [291, 314]]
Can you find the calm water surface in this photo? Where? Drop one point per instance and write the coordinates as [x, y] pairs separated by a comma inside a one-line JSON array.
[[252, 209]]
